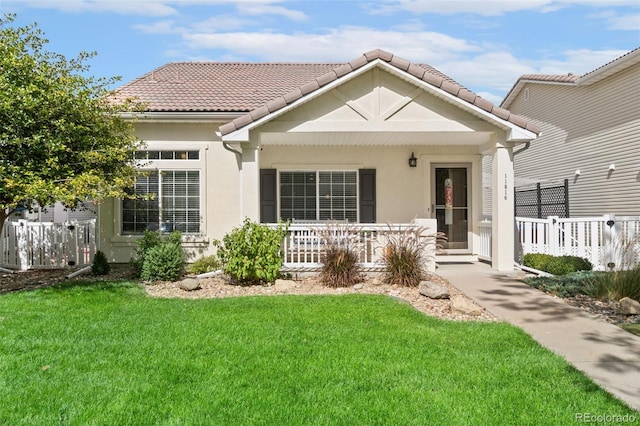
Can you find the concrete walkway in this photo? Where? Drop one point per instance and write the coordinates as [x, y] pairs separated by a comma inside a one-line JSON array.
[[604, 352]]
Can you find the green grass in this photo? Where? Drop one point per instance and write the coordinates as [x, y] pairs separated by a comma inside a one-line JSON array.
[[106, 354], [632, 328]]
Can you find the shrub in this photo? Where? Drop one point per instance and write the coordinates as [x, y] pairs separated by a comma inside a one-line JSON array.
[[164, 261], [149, 240], [613, 286], [556, 265], [100, 264], [340, 267], [251, 253], [204, 264], [568, 285], [404, 255]]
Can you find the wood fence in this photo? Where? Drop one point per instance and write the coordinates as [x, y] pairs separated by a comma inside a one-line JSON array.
[[41, 245]]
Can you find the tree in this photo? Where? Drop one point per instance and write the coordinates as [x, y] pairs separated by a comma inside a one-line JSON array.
[[62, 137]]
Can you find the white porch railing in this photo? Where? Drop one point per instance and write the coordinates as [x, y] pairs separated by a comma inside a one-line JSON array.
[[303, 246], [484, 248], [39, 245], [608, 242]]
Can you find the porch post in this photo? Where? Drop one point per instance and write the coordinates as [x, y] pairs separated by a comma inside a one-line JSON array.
[[503, 215]]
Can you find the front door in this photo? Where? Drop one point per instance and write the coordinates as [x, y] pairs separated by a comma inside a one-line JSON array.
[[451, 204]]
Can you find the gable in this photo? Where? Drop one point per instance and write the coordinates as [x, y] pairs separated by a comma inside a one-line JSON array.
[[377, 101]]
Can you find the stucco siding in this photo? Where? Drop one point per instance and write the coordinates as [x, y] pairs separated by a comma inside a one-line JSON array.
[[586, 128], [219, 188]]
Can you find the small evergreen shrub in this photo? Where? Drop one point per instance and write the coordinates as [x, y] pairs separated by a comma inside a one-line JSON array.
[[556, 265], [340, 266], [165, 260], [149, 240], [159, 258], [251, 253], [100, 264], [204, 264], [569, 285]]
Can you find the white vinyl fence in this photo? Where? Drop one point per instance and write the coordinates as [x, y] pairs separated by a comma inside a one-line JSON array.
[[39, 245], [608, 242]]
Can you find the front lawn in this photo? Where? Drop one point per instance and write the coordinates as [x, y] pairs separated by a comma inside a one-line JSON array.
[[107, 354]]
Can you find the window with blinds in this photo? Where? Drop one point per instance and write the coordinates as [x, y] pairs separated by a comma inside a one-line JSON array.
[[319, 195], [175, 205]]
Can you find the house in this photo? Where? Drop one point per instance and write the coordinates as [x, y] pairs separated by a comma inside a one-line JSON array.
[[590, 135], [376, 140]]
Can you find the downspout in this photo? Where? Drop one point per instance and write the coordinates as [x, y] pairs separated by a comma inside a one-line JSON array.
[[524, 148], [237, 153], [239, 161]]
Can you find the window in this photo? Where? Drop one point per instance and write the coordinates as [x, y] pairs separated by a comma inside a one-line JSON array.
[[319, 195], [167, 155], [174, 207]]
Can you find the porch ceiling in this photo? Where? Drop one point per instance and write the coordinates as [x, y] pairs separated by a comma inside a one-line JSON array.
[[377, 138]]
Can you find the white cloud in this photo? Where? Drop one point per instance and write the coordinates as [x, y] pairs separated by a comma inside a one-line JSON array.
[[159, 27], [266, 9], [629, 22], [579, 61], [160, 7], [342, 44], [144, 7], [488, 7]]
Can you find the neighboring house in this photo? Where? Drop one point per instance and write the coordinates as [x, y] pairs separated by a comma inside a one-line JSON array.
[[590, 135], [375, 140]]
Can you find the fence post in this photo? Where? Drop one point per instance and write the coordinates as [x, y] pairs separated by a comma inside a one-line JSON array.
[[22, 234], [554, 235], [609, 236], [70, 230]]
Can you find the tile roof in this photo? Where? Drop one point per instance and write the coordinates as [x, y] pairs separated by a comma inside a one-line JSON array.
[[259, 89]]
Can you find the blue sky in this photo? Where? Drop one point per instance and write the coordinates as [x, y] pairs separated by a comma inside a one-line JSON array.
[[484, 45]]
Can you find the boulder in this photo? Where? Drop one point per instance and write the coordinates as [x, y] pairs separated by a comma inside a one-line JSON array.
[[628, 306], [465, 306], [284, 285], [189, 284], [433, 290]]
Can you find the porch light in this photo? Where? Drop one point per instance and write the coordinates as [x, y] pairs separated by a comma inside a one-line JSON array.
[[577, 172], [612, 167], [413, 161]]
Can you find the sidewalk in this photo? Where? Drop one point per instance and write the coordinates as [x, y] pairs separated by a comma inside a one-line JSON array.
[[604, 352]]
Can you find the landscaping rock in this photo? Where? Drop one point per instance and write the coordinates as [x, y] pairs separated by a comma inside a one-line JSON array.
[[465, 306], [358, 287], [629, 306], [189, 284], [284, 285], [433, 290]]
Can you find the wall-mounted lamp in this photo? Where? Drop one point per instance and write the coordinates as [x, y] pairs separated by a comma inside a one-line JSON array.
[[413, 161], [612, 167], [577, 172]]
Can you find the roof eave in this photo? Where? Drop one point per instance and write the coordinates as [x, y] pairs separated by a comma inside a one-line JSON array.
[[183, 116]]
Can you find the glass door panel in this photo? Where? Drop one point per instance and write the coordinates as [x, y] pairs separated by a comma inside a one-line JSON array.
[[451, 205]]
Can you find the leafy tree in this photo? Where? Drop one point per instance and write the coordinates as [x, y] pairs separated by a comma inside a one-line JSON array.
[[62, 137]]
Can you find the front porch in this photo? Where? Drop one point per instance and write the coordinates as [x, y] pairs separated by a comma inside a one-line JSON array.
[[378, 146]]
